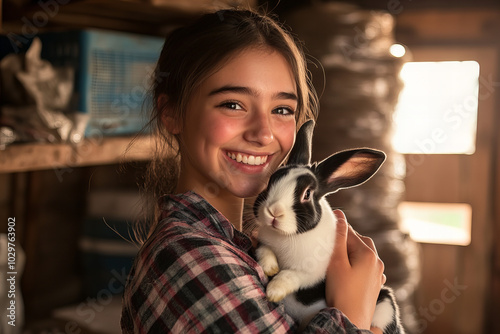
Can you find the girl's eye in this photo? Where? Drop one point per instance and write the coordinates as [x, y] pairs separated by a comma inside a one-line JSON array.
[[231, 105], [283, 111]]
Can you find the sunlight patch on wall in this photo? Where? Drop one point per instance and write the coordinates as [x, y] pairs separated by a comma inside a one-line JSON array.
[[441, 223], [437, 109]]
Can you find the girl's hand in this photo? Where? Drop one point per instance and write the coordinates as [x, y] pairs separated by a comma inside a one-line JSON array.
[[355, 275]]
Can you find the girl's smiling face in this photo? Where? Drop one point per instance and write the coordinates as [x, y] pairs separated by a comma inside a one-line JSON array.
[[239, 126]]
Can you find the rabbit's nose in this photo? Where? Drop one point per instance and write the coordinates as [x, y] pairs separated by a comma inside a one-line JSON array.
[[276, 210]]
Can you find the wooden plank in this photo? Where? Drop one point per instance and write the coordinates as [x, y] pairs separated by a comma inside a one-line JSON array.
[[203, 5], [430, 168], [54, 211], [148, 17], [124, 10], [1, 14], [5, 201], [92, 151], [455, 25], [435, 314], [493, 326]]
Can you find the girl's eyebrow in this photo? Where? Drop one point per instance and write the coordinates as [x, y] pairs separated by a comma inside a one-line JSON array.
[[249, 91]]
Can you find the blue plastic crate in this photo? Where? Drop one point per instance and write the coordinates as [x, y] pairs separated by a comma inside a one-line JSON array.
[[112, 75]]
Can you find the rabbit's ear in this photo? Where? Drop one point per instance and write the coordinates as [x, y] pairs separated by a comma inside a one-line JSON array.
[[301, 151], [348, 169]]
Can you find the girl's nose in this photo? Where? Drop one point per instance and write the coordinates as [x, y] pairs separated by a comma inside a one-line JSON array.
[[260, 130]]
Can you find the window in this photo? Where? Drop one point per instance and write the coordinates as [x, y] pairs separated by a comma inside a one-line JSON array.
[[437, 114], [437, 109], [444, 223]]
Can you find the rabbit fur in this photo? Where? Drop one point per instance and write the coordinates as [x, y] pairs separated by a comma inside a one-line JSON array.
[[297, 228]]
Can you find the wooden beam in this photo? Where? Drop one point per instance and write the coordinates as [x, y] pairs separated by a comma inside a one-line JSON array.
[[448, 26], [153, 17]]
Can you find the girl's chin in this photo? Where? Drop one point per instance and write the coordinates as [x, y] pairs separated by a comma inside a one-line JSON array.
[[246, 190]]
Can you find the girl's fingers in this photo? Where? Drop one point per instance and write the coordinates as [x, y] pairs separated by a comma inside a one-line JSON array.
[[340, 248], [355, 243], [350, 243], [366, 240], [369, 242], [340, 215]]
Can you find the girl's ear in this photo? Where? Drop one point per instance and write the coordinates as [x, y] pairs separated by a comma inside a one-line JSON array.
[[168, 118]]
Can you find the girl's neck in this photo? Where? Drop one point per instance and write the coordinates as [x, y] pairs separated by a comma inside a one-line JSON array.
[[229, 205]]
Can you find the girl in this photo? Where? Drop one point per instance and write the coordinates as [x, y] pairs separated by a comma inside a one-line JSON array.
[[230, 91]]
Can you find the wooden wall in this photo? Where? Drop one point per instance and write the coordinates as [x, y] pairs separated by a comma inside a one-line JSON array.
[[457, 281]]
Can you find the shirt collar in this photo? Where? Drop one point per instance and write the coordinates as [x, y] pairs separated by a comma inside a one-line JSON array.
[[194, 209]]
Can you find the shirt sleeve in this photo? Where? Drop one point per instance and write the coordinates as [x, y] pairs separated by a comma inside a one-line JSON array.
[[331, 320], [195, 284]]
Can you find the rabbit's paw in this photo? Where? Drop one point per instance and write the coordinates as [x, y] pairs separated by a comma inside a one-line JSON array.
[[386, 316], [270, 267], [268, 261], [276, 291], [281, 286]]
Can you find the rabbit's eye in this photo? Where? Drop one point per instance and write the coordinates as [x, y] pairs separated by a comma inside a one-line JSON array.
[[307, 195]]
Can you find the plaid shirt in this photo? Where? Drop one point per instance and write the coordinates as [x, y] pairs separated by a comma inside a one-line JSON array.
[[194, 274]]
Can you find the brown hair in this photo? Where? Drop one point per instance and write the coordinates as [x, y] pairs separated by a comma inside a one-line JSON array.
[[191, 54]]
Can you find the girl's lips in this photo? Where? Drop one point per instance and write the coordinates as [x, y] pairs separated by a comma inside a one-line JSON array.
[[248, 159], [248, 164]]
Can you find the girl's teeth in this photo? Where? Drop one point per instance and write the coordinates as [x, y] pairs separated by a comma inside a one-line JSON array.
[[248, 159]]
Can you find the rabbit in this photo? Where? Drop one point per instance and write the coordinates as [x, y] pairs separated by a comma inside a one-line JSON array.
[[297, 228]]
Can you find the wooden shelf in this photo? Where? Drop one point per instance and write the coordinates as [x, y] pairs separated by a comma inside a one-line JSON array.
[[93, 151]]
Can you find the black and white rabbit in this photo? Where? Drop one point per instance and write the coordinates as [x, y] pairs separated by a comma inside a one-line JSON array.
[[297, 228]]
